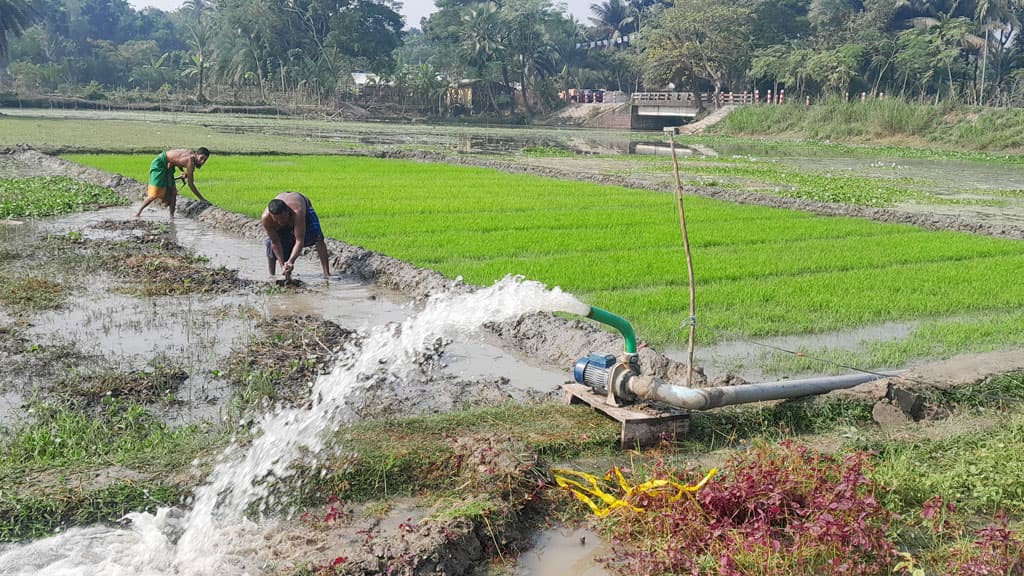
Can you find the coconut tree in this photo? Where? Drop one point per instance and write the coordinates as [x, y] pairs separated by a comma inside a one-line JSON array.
[[994, 15], [482, 37], [197, 8], [200, 41], [613, 18]]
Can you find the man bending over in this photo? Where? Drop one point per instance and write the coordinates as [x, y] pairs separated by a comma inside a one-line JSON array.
[[291, 225], [161, 176]]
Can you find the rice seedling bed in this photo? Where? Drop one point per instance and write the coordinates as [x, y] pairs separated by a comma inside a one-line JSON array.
[[760, 271]]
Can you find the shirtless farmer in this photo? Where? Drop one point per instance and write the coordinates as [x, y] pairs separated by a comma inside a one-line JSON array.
[[292, 224], [161, 176]]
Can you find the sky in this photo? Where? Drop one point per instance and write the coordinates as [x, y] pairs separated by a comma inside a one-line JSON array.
[[413, 10]]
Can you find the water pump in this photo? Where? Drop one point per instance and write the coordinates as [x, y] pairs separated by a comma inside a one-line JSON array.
[[620, 378], [606, 374]]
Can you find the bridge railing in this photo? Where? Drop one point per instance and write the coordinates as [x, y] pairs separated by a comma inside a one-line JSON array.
[[688, 98]]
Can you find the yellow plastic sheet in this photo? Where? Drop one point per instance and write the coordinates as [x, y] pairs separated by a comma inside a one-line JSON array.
[[587, 488]]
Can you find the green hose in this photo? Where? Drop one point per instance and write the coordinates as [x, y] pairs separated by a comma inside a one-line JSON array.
[[617, 322]]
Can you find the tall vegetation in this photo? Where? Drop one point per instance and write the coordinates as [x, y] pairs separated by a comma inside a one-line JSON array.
[[514, 56]]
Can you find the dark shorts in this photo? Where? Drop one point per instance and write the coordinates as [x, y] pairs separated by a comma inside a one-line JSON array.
[[313, 234]]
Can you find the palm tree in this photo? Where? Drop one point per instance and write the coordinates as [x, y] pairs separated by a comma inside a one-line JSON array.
[[994, 15], [613, 17], [196, 8], [15, 17], [482, 40], [200, 39]]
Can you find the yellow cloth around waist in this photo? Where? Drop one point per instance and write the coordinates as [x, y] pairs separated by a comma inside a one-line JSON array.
[[159, 192]]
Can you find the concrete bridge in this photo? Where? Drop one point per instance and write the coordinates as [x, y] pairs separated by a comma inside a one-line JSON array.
[[657, 110]]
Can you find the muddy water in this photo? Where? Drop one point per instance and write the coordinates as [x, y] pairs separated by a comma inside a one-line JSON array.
[[744, 357], [565, 552], [197, 330]]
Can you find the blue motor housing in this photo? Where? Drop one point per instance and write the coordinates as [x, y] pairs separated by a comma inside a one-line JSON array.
[[593, 370]]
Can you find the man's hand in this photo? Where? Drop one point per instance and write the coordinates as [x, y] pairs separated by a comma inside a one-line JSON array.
[[288, 267]]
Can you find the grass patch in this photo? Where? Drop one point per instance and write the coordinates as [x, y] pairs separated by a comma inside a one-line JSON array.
[[421, 455], [546, 152], [152, 261], [978, 133], [728, 426], [144, 387], [52, 196], [29, 517], [49, 467], [760, 271], [279, 364], [981, 472], [26, 294], [777, 179]]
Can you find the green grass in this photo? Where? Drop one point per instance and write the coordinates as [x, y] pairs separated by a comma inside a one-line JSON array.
[[760, 271], [425, 456], [980, 471], [52, 196], [779, 180], [966, 132], [48, 467]]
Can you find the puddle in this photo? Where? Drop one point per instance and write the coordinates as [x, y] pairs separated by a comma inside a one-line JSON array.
[[198, 331], [564, 552], [742, 357]]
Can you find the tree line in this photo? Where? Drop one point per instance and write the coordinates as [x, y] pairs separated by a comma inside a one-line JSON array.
[[518, 55]]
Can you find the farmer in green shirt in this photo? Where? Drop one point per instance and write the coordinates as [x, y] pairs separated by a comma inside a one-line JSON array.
[[161, 176]]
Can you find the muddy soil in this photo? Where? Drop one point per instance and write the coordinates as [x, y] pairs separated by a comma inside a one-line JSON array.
[[267, 332]]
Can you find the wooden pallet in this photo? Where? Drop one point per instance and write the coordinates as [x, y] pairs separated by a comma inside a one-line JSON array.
[[642, 424]]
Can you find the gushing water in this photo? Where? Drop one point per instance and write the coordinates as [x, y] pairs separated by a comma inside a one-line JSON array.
[[212, 537]]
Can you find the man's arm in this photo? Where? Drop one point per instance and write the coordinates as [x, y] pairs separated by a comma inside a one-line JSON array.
[[299, 227], [275, 240], [190, 169]]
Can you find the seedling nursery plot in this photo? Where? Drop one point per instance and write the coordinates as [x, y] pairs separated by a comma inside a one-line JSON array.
[[760, 272]]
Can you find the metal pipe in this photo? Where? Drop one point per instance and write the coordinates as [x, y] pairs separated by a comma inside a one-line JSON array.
[[617, 322], [648, 388]]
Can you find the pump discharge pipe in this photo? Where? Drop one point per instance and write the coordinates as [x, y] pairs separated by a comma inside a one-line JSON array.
[[620, 378]]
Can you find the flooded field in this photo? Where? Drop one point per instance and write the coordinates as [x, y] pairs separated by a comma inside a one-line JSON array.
[[198, 331]]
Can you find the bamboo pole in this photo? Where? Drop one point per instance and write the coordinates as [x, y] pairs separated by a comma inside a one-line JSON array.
[[689, 260]]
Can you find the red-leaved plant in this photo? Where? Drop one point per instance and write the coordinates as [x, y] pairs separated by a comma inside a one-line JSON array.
[[996, 551], [773, 510]]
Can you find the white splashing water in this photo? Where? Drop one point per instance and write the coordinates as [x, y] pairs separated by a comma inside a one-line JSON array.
[[217, 538]]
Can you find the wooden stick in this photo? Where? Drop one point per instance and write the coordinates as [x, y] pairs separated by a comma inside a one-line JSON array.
[[689, 260]]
